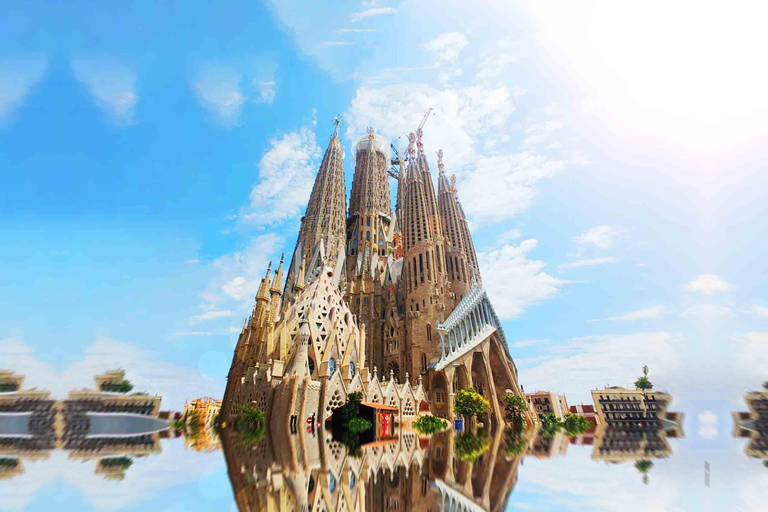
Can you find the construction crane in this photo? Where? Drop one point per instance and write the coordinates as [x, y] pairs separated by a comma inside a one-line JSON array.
[[423, 121], [396, 160]]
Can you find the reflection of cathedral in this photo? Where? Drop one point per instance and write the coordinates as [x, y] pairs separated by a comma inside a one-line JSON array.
[[399, 475], [753, 424], [374, 289], [88, 424]]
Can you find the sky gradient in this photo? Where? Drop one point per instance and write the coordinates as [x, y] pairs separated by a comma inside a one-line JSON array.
[[155, 157]]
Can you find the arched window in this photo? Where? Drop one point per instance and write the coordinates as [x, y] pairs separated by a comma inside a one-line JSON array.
[[331, 366], [423, 362], [429, 332], [351, 369], [311, 363]]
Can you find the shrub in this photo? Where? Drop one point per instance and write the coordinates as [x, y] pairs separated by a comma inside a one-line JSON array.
[[574, 424], [359, 425], [123, 386], [514, 442], [470, 447], [250, 424], [429, 424], [643, 383], [469, 402]]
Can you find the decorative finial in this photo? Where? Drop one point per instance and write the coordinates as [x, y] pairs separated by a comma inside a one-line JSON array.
[[337, 120], [474, 276], [453, 183], [371, 132], [440, 160]]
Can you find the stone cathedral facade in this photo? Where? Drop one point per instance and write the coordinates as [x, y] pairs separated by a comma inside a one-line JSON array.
[[371, 290]]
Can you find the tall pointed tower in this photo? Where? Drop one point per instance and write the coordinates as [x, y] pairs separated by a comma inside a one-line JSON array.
[[368, 241], [321, 236], [424, 276], [460, 257]]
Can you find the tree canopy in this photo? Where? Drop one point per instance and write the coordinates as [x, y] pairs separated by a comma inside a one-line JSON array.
[[469, 402]]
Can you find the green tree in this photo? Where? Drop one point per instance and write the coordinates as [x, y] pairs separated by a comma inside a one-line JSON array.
[[643, 382], [469, 402], [549, 424], [514, 410], [575, 424], [514, 442], [123, 386], [120, 462], [250, 425], [429, 424], [470, 447], [644, 466]]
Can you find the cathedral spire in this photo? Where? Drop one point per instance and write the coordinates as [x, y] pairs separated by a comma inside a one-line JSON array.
[[461, 259], [325, 214], [264, 286]]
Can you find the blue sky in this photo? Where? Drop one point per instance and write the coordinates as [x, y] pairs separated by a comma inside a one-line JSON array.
[[154, 158]]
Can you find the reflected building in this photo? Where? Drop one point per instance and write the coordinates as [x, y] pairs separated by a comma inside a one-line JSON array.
[[89, 424], [200, 419], [753, 424], [406, 473], [633, 424]]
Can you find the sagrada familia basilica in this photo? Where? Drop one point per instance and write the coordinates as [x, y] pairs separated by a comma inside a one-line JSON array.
[[389, 303]]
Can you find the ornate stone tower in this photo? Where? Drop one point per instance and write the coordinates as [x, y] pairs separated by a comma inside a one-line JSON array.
[[321, 236], [368, 241], [460, 257], [423, 276]]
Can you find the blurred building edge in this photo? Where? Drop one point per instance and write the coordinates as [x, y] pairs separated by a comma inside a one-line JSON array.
[[547, 402], [634, 424], [89, 424], [586, 438], [753, 424], [200, 421]]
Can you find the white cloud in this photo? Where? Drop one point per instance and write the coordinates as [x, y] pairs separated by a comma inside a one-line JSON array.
[[355, 30], [464, 119], [586, 263], [193, 333], [514, 177], [143, 368], [218, 90], [19, 76], [496, 62], [111, 83], [527, 343], [447, 47], [652, 312], [709, 314], [508, 236], [603, 237], [708, 424], [266, 91], [286, 174], [760, 311], [582, 364], [514, 282], [210, 315], [337, 43], [191, 262], [375, 11], [238, 274], [708, 284], [145, 479]]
